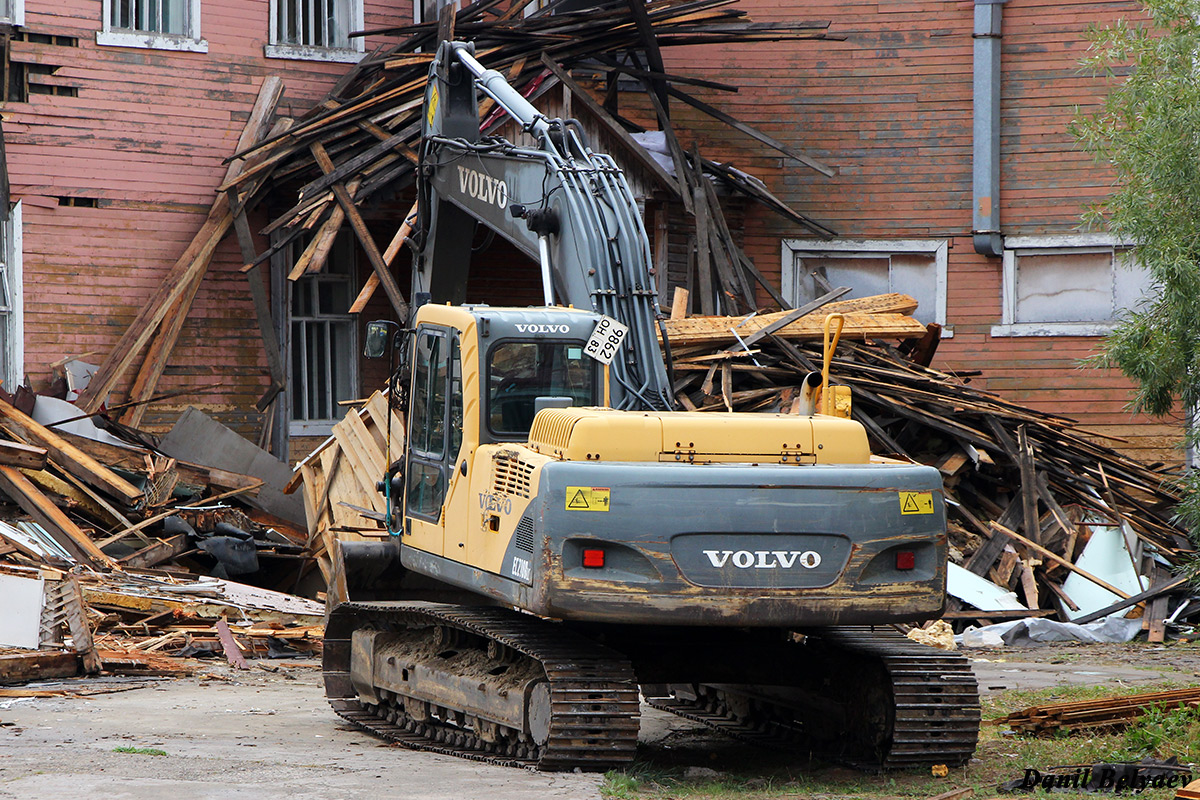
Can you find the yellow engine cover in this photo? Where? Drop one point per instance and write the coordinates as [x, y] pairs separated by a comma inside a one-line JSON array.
[[605, 434]]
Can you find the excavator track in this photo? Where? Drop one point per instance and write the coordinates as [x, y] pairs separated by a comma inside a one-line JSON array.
[[911, 706], [591, 702]]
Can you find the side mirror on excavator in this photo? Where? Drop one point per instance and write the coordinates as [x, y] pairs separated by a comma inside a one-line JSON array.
[[378, 333]]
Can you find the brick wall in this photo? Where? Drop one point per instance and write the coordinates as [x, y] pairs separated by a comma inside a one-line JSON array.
[[889, 108], [145, 138]]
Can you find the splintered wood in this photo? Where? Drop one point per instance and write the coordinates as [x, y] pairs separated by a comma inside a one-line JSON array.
[[339, 478]]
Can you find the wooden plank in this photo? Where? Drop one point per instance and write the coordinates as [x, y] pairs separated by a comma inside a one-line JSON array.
[[69, 457], [787, 318], [19, 454], [1029, 496], [51, 517], [37, 665], [679, 303], [361, 469], [613, 128], [1056, 557], [156, 553], [703, 259], [1149, 594], [752, 132], [389, 255], [367, 445]]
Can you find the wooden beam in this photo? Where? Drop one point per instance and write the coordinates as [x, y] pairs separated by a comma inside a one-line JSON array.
[[181, 281], [18, 454], [52, 519], [752, 132], [156, 553], [389, 255], [614, 128], [1050, 554], [70, 457], [399, 306]]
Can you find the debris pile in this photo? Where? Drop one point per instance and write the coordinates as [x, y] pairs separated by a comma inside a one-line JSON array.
[[362, 141], [1043, 520], [115, 555]]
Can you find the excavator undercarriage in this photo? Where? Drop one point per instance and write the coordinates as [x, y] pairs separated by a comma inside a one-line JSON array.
[[508, 688]]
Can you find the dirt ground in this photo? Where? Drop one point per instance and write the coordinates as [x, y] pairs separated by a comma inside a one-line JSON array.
[[267, 733]]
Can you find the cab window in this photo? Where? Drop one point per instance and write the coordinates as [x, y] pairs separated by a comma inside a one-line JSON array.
[[435, 421], [521, 372]]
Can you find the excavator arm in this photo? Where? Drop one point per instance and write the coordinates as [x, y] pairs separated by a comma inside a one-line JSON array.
[[567, 207]]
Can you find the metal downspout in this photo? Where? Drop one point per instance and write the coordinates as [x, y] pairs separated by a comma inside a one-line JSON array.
[[985, 169]]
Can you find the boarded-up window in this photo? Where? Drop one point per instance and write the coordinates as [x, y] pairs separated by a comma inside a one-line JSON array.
[[323, 346], [1072, 286], [915, 268], [1067, 286]]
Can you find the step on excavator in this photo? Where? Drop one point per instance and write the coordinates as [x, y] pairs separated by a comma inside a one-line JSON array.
[[565, 544]]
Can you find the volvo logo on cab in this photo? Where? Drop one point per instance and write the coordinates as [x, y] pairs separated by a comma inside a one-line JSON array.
[[483, 187], [764, 559], [544, 328]]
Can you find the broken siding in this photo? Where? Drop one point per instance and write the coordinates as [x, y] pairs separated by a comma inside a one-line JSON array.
[[890, 108], [145, 140]]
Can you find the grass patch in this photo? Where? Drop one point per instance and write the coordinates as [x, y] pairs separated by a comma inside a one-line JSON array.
[[712, 768], [140, 751]]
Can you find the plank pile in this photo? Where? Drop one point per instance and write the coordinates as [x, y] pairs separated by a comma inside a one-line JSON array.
[[118, 541], [1024, 488], [339, 479], [1112, 713]]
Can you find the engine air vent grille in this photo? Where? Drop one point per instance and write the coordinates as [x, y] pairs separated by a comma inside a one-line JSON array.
[[523, 536], [552, 427], [511, 476]]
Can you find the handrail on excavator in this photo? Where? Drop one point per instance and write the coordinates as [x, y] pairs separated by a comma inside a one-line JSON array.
[[827, 357]]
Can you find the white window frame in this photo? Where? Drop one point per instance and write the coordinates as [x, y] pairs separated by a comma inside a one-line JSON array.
[[318, 427], [937, 248], [15, 319], [189, 42], [18, 14], [298, 52], [1008, 285]]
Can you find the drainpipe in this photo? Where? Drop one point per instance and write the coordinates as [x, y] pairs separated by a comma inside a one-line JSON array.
[[985, 169]]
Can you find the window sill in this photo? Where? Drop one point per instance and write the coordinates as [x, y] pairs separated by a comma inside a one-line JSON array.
[[151, 41], [311, 427], [298, 52], [1053, 329]]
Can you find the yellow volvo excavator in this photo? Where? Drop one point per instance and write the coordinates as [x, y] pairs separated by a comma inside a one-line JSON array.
[[563, 540]]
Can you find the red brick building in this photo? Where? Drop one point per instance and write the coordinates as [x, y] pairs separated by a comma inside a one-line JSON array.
[[119, 116]]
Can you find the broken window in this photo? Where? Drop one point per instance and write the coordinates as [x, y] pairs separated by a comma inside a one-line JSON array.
[[323, 347], [1068, 285], [913, 267], [12, 355], [163, 24], [315, 29]]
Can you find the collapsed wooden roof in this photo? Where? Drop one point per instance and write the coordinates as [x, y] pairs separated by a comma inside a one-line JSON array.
[[363, 138]]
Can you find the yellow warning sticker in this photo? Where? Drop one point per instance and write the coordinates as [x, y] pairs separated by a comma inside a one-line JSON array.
[[433, 104], [587, 498], [916, 502]]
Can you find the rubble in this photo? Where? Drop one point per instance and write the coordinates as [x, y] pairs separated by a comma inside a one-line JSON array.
[[1044, 520], [118, 564]]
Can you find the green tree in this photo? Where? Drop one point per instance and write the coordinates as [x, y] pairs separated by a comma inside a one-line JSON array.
[[1148, 131]]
